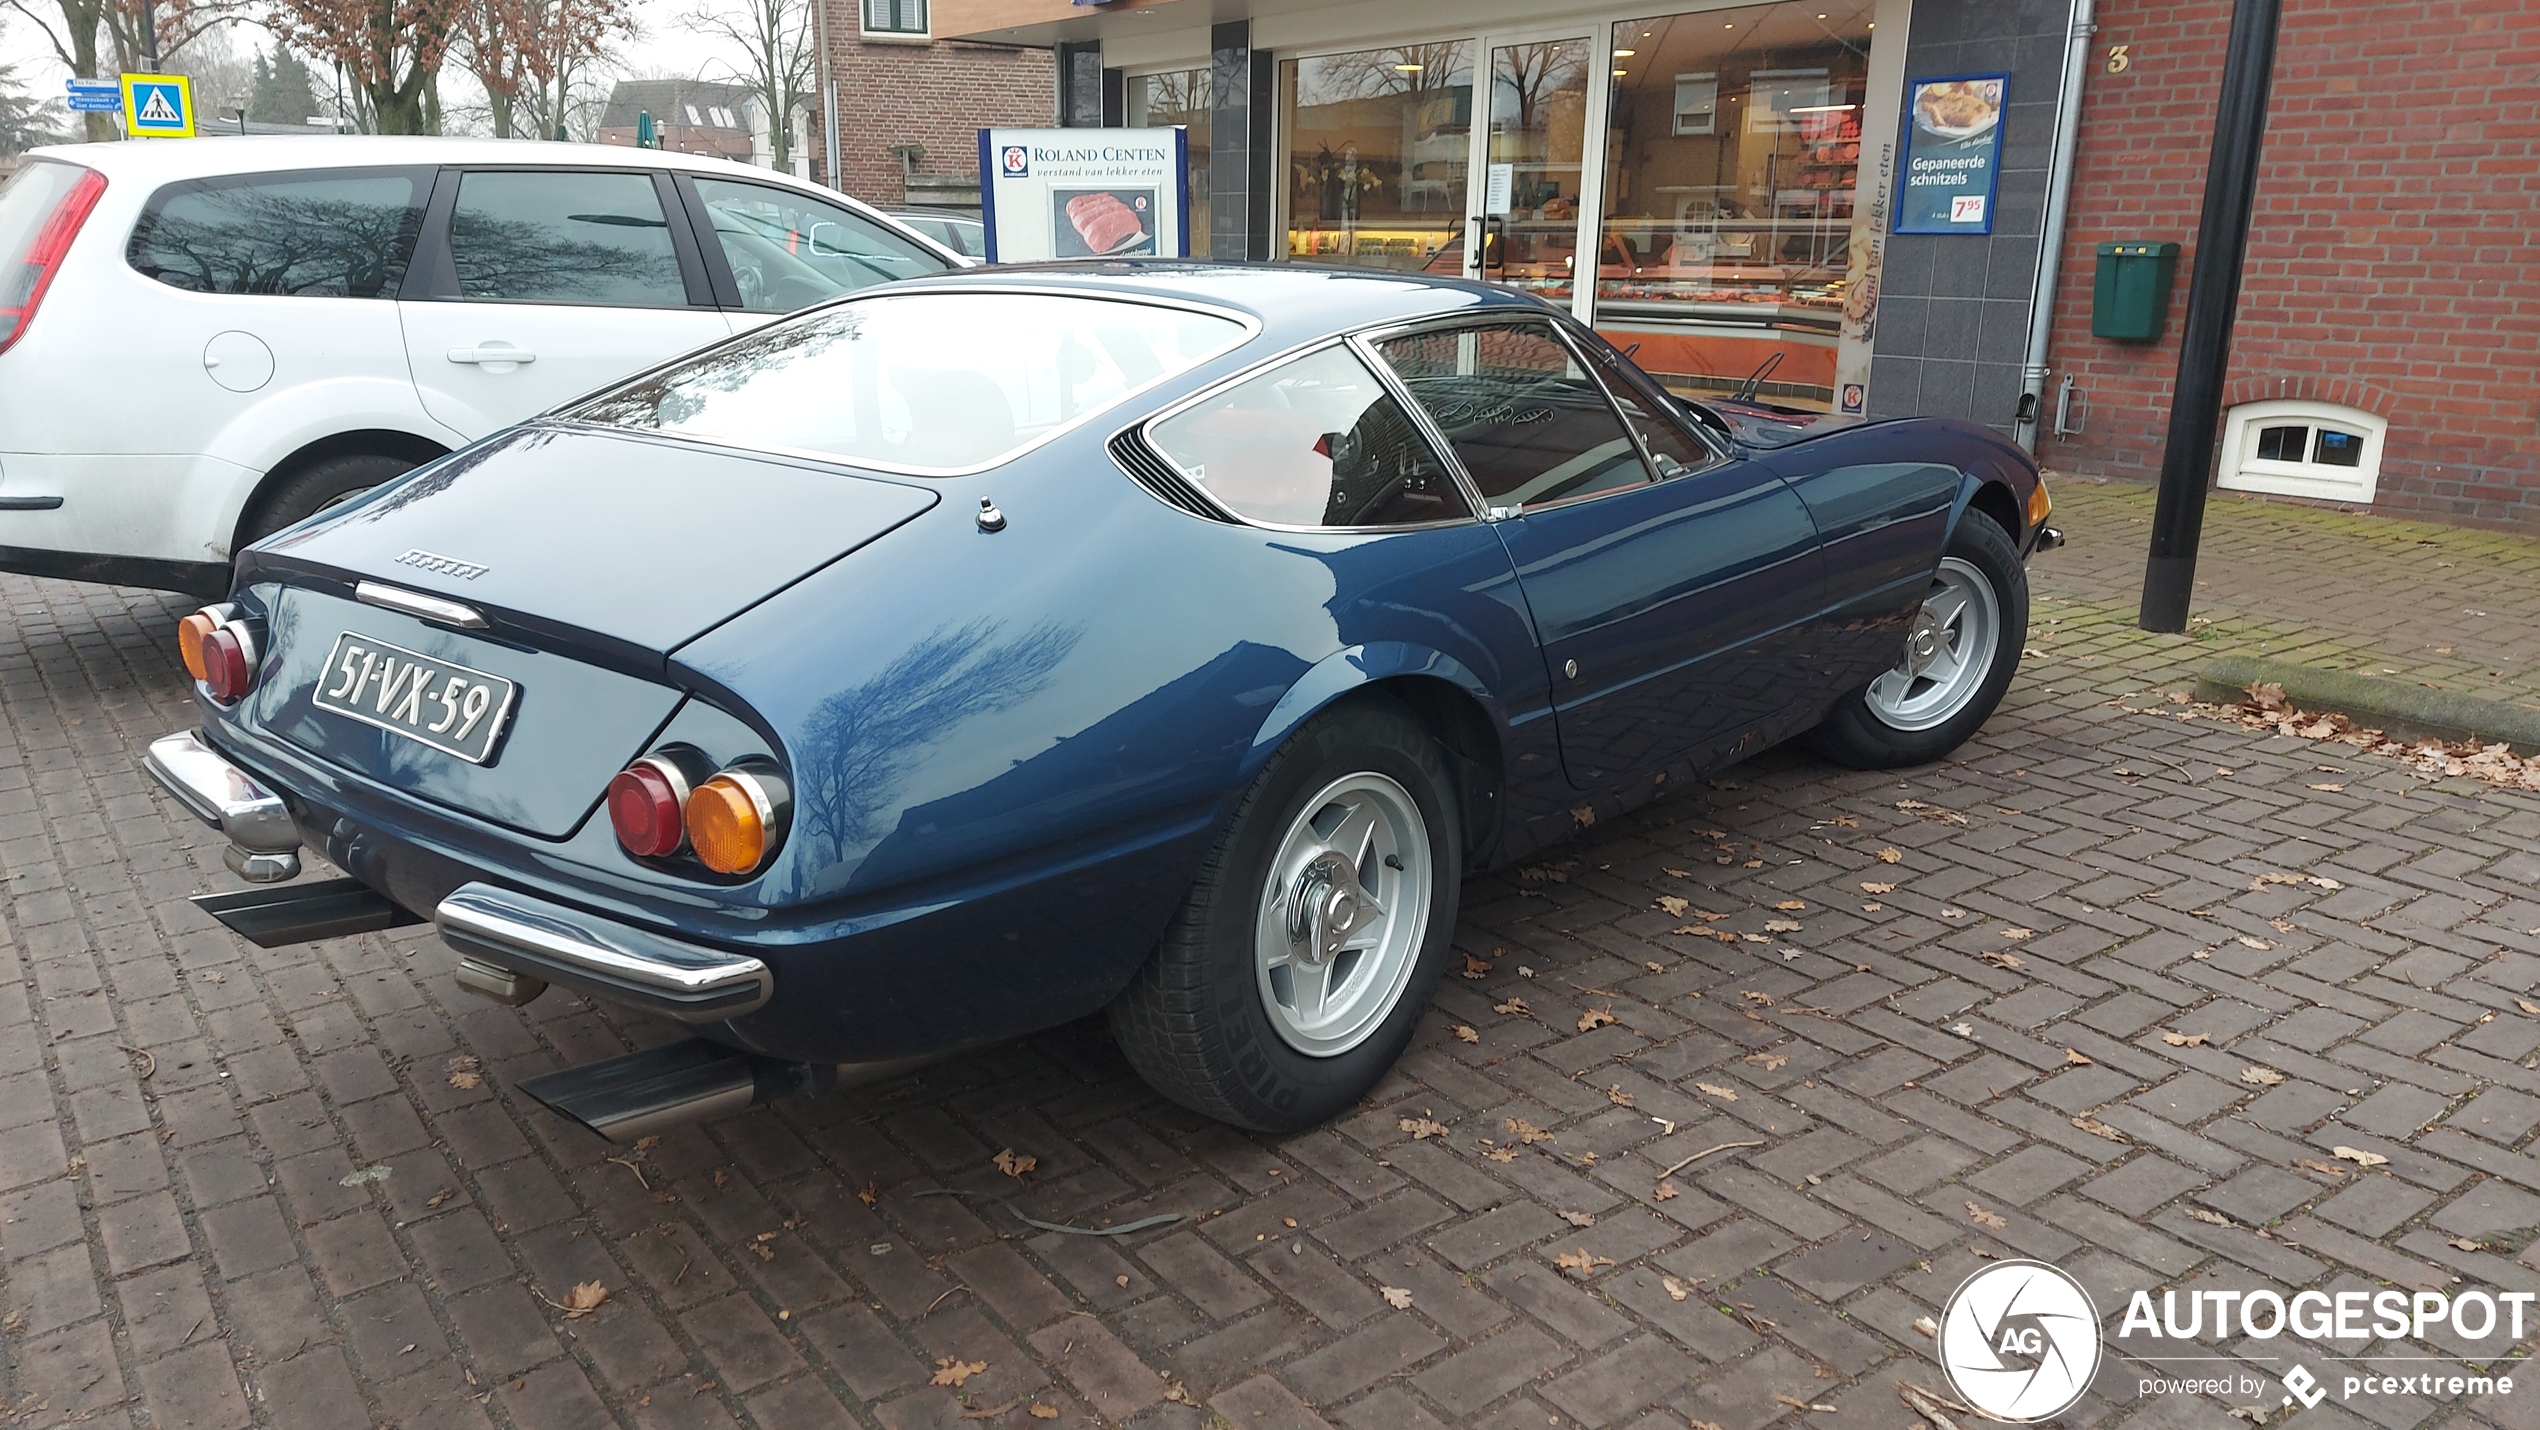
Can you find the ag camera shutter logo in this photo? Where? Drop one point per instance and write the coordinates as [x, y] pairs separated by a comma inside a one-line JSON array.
[[2020, 1341]]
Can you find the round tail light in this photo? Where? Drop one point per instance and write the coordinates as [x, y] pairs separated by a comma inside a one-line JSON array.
[[733, 819], [645, 808], [228, 669], [190, 634]]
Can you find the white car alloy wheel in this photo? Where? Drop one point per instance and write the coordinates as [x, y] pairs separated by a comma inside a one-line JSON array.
[[1344, 913], [1948, 651]]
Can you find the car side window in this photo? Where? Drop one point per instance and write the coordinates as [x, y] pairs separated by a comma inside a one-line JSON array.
[[789, 250], [1673, 451], [1317, 441], [311, 234], [1524, 417], [562, 237]]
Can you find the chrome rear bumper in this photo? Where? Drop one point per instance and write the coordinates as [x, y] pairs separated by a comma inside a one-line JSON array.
[[530, 938], [264, 845]]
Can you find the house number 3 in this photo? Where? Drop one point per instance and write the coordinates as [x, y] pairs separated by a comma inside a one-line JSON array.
[[2118, 60]]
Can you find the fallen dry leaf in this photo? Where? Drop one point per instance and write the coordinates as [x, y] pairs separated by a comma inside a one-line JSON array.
[[1595, 1018], [2000, 959], [2262, 1076], [646, 1144], [1756, 937], [2211, 1218], [2076, 1058], [1725, 1094], [1653, 965], [2257, 943], [1421, 1128], [2314, 1164], [1514, 1007], [955, 1372], [1666, 1193], [2184, 1040], [585, 1298], [2465, 1244], [871, 1194], [2528, 1006], [2097, 1128], [1872, 908], [1501, 1154], [1781, 925], [1790, 906], [1751, 996], [2330, 789], [1579, 1219], [1526, 1132], [1676, 1290], [1398, 1297], [1614, 1094], [2358, 1156], [2017, 933], [1767, 1061], [1464, 1034], [466, 1081], [1869, 887], [1984, 1218], [1038, 1411], [1674, 906], [1678, 873], [1475, 968], [1581, 1261], [1927, 1325], [1013, 1163], [1890, 856]]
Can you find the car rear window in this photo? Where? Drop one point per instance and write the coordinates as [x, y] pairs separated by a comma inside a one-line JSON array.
[[926, 383], [305, 234]]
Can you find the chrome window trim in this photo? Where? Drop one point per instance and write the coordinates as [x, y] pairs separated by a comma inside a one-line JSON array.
[[1143, 430], [906, 288]]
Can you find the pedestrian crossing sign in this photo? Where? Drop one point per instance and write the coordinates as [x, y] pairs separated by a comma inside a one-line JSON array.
[[158, 106]]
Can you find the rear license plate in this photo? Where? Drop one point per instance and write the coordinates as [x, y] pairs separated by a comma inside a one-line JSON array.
[[453, 709]]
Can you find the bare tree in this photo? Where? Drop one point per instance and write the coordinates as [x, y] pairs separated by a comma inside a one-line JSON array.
[[390, 50], [532, 54], [781, 59], [83, 35]]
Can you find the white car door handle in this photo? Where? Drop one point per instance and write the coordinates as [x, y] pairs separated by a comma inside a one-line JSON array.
[[492, 354]]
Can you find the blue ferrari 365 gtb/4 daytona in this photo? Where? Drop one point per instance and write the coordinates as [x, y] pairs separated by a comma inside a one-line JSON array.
[[981, 652]]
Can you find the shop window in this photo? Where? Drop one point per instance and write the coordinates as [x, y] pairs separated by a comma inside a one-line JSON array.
[[1167, 98], [2302, 449], [1732, 159], [895, 17], [1379, 147]]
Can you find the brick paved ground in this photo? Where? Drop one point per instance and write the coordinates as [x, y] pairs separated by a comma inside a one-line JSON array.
[[237, 1186]]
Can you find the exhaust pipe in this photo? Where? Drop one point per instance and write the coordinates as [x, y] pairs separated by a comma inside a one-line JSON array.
[[301, 913], [644, 1093]]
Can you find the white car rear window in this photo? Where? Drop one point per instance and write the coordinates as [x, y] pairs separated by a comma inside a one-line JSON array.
[[926, 383]]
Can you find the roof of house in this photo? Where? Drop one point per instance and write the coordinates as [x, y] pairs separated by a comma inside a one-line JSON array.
[[668, 101]]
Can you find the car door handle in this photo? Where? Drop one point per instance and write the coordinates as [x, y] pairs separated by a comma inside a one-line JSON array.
[[496, 353]]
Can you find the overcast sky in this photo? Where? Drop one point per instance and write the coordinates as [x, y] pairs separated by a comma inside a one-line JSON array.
[[664, 47]]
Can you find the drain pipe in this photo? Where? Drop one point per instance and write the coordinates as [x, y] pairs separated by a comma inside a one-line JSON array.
[[2041, 313]]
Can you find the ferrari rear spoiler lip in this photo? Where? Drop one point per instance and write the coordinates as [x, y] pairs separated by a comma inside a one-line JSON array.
[[601, 957]]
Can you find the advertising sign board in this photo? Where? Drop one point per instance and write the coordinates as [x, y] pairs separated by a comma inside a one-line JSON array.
[[1085, 193], [1953, 151]]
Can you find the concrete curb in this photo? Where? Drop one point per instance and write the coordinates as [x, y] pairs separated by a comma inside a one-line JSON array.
[[2395, 706]]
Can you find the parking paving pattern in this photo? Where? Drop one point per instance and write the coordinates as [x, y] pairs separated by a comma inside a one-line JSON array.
[[2110, 990]]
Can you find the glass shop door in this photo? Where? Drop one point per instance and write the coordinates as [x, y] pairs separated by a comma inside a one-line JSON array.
[[1526, 221]]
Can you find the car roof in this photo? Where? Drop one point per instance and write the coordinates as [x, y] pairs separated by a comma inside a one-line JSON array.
[[159, 161], [1293, 302]]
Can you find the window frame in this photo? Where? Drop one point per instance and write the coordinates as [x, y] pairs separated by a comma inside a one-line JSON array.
[[1143, 431], [924, 31], [718, 265], [2240, 470], [424, 177], [433, 275], [1557, 322]]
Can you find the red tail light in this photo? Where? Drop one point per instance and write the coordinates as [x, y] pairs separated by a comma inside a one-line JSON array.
[[648, 800], [28, 272], [228, 667]]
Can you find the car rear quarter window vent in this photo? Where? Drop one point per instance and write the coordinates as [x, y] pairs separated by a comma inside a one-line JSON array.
[[1155, 474]]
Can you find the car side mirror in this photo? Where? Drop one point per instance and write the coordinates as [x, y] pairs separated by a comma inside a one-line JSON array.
[[826, 247]]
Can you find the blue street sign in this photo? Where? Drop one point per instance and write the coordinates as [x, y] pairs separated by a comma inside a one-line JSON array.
[[95, 96]]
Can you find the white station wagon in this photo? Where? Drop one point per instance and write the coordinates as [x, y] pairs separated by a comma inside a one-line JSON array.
[[203, 341]]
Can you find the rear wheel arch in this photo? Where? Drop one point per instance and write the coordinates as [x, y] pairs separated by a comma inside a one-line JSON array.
[[1440, 691], [387, 443]]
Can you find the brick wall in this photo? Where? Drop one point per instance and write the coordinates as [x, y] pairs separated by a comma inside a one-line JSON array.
[[937, 94], [2394, 257]]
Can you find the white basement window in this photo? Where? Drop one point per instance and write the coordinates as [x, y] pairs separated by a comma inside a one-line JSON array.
[[2297, 448]]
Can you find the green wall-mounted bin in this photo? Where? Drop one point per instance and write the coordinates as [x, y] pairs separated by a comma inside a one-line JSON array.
[[2130, 290]]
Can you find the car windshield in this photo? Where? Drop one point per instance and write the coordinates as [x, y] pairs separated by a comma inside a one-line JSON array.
[[921, 382]]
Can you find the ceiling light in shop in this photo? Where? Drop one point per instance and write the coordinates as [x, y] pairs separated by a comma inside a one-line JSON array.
[[1820, 108], [1409, 69], [1625, 54]]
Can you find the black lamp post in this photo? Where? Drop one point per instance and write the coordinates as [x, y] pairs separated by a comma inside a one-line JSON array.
[[2213, 297]]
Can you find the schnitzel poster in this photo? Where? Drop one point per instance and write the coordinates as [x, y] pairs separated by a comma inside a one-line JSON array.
[[1953, 151]]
